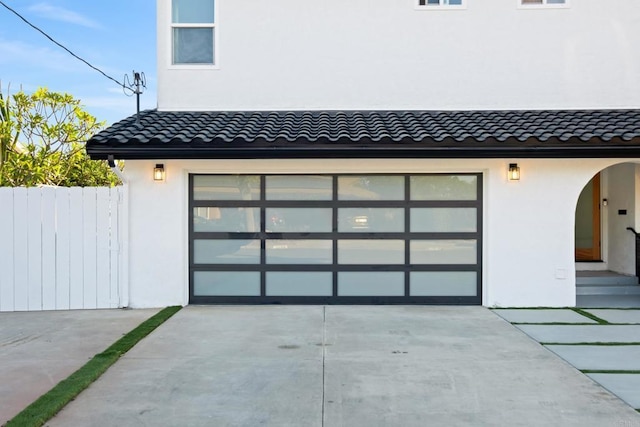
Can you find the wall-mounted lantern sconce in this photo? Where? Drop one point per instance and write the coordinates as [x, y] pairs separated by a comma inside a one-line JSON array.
[[514, 172], [159, 173]]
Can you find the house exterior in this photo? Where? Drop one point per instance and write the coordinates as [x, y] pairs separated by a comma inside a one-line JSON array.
[[406, 151]]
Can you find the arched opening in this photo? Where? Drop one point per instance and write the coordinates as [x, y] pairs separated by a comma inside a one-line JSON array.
[[607, 262]]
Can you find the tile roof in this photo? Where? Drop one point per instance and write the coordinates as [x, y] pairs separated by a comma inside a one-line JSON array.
[[275, 134]]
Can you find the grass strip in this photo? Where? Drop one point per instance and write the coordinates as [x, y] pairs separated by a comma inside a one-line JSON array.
[[589, 315], [591, 343], [553, 323], [608, 371], [50, 403]]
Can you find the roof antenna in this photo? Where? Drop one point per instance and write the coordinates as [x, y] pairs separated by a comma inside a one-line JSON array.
[[137, 87]]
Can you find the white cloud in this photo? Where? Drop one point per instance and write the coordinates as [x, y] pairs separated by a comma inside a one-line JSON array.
[[16, 53], [57, 13]]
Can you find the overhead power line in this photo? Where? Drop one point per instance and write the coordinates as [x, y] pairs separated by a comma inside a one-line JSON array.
[[63, 47]]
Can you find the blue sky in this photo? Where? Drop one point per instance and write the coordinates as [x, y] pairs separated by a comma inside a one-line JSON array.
[[117, 36]]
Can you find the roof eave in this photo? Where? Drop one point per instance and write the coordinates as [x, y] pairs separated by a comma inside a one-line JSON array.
[[101, 152]]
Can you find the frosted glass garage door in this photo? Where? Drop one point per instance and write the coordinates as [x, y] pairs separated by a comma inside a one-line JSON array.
[[335, 239]]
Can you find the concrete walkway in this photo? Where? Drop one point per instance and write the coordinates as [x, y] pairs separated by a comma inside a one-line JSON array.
[[343, 366], [39, 349], [608, 352]]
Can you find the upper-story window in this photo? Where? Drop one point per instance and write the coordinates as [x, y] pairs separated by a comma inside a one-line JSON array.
[[193, 28], [549, 3], [441, 4]]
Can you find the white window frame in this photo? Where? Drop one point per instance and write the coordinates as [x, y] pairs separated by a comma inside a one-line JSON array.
[[215, 26], [544, 5], [443, 5]]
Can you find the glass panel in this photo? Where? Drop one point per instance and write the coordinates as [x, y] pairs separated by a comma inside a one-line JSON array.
[[531, 1], [371, 251], [444, 187], [371, 188], [294, 283], [584, 218], [226, 187], [193, 45], [443, 220], [226, 251], [371, 220], [443, 283], [556, 1], [239, 220], [443, 251], [371, 283], [297, 187], [193, 12], [299, 252], [455, 2], [299, 220], [226, 283]]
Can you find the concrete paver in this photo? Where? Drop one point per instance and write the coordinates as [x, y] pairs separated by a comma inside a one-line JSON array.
[[617, 316], [342, 366], [625, 386], [600, 357], [39, 349], [542, 316], [568, 334], [608, 301]]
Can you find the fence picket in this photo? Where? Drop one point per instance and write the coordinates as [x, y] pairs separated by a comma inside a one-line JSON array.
[[63, 248], [48, 251], [34, 236], [6, 249], [76, 255], [89, 249], [114, 246], [20, 251], [103, 263]]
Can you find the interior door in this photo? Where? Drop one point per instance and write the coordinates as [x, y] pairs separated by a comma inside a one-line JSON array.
[[588, 230]]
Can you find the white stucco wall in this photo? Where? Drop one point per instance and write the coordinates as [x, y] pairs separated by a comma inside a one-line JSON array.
[[621, 195], [385, 54], [528, 225]]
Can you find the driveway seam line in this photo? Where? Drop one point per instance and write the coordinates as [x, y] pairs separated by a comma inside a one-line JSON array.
[[324, 350]]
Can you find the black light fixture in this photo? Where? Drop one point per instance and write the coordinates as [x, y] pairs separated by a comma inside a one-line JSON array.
[[159, 173], [514, 172]]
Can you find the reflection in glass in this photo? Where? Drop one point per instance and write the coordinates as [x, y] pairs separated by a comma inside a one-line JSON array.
[[228, 251], [373, 187], [295, 283], [299, 220], [371, 220], [371, 251], [226, 283], [443, 252], [238, 220], [193, 45], [444, 187], [299, 187], [226, 187], [370, 283], [193, 11], [443, 220], [299, 252], [443, 283]]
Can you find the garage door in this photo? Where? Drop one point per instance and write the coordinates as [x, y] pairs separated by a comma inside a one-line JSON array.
[[335, 239]]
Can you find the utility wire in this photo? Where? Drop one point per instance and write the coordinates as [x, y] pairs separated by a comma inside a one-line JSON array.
[[63, 47]]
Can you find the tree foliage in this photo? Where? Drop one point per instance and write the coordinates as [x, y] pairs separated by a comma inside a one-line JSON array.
[[42, 142]]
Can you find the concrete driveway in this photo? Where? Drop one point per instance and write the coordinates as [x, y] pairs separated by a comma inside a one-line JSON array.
[[39, 349], [342, 366]]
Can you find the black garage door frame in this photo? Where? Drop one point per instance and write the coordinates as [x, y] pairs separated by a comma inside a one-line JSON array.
[[267, 235]]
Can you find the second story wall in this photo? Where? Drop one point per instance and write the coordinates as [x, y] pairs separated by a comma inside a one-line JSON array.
[[389, 54]]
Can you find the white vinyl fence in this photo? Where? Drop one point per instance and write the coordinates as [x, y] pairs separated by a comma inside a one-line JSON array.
[[60, 248]]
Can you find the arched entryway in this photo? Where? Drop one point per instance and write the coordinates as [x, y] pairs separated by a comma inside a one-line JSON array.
[[605, 248]]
